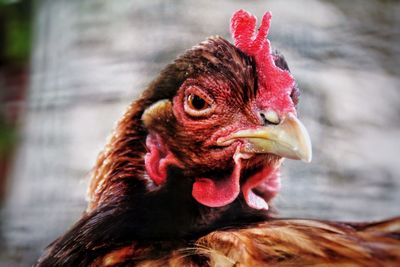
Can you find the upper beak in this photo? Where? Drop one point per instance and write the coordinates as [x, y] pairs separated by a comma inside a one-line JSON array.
[[288, 139]]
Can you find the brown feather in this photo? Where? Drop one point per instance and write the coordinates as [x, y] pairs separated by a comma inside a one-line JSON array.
[[278, 242], [126, 224]]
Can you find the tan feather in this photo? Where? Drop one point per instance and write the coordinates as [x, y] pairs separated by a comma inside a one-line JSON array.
[[279, 242]]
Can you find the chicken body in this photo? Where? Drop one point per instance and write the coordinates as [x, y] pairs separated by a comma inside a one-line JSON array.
[[277, 242], [200, 151]]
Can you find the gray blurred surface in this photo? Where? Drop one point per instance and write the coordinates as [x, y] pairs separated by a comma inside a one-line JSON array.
[[92, 58]]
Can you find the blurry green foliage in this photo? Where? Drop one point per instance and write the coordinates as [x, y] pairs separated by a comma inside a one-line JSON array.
[[16, 31], [15, 47], [7, 138], [18, 40]]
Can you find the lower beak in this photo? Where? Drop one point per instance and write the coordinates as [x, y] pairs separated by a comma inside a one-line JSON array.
[[288, 139]]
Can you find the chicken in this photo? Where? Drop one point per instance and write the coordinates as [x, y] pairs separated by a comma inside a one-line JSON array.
[[199, 152]]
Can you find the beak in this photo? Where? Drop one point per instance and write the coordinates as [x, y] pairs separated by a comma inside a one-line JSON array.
[[288, 139]]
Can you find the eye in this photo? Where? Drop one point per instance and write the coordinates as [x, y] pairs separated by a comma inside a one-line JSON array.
[[196, 102], [196, 105]]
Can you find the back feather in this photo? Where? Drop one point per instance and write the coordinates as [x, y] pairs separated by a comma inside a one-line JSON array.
[[277, 242]]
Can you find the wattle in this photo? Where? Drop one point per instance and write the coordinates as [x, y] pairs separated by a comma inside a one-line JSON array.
[[221, 192]]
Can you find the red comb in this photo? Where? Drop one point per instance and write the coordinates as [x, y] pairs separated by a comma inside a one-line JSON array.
[[272, 81]]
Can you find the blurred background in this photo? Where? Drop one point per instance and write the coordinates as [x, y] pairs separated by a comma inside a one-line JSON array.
[[68, 70]]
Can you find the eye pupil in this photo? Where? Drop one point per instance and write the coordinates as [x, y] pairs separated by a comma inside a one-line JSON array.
[[196, 102]]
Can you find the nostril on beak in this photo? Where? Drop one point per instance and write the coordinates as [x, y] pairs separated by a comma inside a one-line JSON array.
[[269, 117]]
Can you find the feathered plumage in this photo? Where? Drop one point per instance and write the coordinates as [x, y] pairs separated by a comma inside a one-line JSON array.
[[189, 173], [277, 242]]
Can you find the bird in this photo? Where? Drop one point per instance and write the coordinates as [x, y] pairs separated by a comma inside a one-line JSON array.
[[191, 169]]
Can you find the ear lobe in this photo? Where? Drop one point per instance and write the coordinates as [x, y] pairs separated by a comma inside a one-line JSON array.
[[158, 159], [156, 111]]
